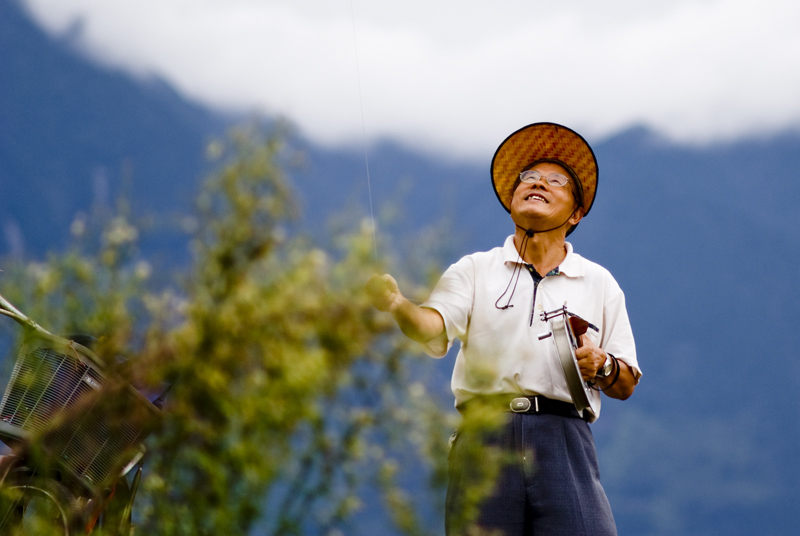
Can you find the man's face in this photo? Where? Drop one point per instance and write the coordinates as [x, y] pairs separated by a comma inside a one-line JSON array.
[[542, 206]]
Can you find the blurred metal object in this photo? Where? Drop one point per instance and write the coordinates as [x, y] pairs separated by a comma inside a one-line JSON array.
[[65, 409]]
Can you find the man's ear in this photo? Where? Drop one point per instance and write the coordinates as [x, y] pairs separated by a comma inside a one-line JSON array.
[[576, 217]]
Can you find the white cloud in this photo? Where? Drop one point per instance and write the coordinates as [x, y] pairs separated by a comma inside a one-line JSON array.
[[460, 75]]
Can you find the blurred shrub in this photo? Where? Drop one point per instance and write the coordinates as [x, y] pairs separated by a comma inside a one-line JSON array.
[[290, 399]]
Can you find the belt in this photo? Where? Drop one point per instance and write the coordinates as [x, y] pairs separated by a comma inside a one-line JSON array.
[[529, 404]]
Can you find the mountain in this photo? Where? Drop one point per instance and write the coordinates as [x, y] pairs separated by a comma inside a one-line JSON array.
[[74, 134], [702, 240]]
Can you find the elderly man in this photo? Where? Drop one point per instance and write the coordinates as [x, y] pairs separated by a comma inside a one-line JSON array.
[[545, 176]]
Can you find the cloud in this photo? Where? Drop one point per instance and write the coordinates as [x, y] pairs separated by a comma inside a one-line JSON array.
[[458, 76]]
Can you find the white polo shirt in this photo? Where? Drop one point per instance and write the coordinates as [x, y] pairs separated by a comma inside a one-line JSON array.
[[501, 352]]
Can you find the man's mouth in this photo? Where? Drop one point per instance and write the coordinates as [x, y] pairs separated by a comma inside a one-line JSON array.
[[535, 197]]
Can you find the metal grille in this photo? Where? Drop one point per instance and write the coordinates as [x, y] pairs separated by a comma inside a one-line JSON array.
[[87, 420]]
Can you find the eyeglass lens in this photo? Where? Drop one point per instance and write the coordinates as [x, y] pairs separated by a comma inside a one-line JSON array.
[[555, 179]]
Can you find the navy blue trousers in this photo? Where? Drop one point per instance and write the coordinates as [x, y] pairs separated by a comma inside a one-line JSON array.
[[548, 483]]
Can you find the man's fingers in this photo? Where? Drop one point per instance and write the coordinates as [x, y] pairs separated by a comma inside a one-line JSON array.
[[585, 364], [383, 290], [589, 360]]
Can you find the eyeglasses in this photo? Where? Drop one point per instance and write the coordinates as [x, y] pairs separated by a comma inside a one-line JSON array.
[[555, 179]]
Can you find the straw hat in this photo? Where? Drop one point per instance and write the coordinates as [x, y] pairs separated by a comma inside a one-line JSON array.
[[543, 141]]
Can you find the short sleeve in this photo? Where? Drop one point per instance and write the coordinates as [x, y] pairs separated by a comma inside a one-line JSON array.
[[453, 298]]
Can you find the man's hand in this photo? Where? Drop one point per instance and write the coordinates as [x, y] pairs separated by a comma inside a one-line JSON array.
[[384, 293], [591, 358]]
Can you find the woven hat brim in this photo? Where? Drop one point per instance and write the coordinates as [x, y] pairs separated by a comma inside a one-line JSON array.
[[539, 141]]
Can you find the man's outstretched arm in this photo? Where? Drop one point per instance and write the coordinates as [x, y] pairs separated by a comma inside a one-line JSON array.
[[420, 324]]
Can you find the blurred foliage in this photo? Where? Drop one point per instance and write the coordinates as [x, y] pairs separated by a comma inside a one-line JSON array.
[[292, 404]]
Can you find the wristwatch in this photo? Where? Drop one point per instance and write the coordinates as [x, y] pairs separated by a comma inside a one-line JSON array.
[[607, 367]]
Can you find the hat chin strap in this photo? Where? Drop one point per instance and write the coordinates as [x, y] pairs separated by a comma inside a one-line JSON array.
[[530, 232]]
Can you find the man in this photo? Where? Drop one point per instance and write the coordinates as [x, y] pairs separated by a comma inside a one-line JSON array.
[[545, 176]]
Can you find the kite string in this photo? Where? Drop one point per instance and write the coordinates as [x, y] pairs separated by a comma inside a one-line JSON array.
[[364, 132]]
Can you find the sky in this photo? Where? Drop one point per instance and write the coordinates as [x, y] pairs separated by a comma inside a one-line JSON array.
[[455, 77]]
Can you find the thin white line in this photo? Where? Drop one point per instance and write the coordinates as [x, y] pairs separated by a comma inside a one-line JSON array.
[[364, 131]]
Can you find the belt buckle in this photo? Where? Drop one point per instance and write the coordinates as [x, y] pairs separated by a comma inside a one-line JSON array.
[[521, 405]]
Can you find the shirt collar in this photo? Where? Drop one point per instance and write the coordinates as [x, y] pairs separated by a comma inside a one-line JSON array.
[[570, 266], [510, 253]]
